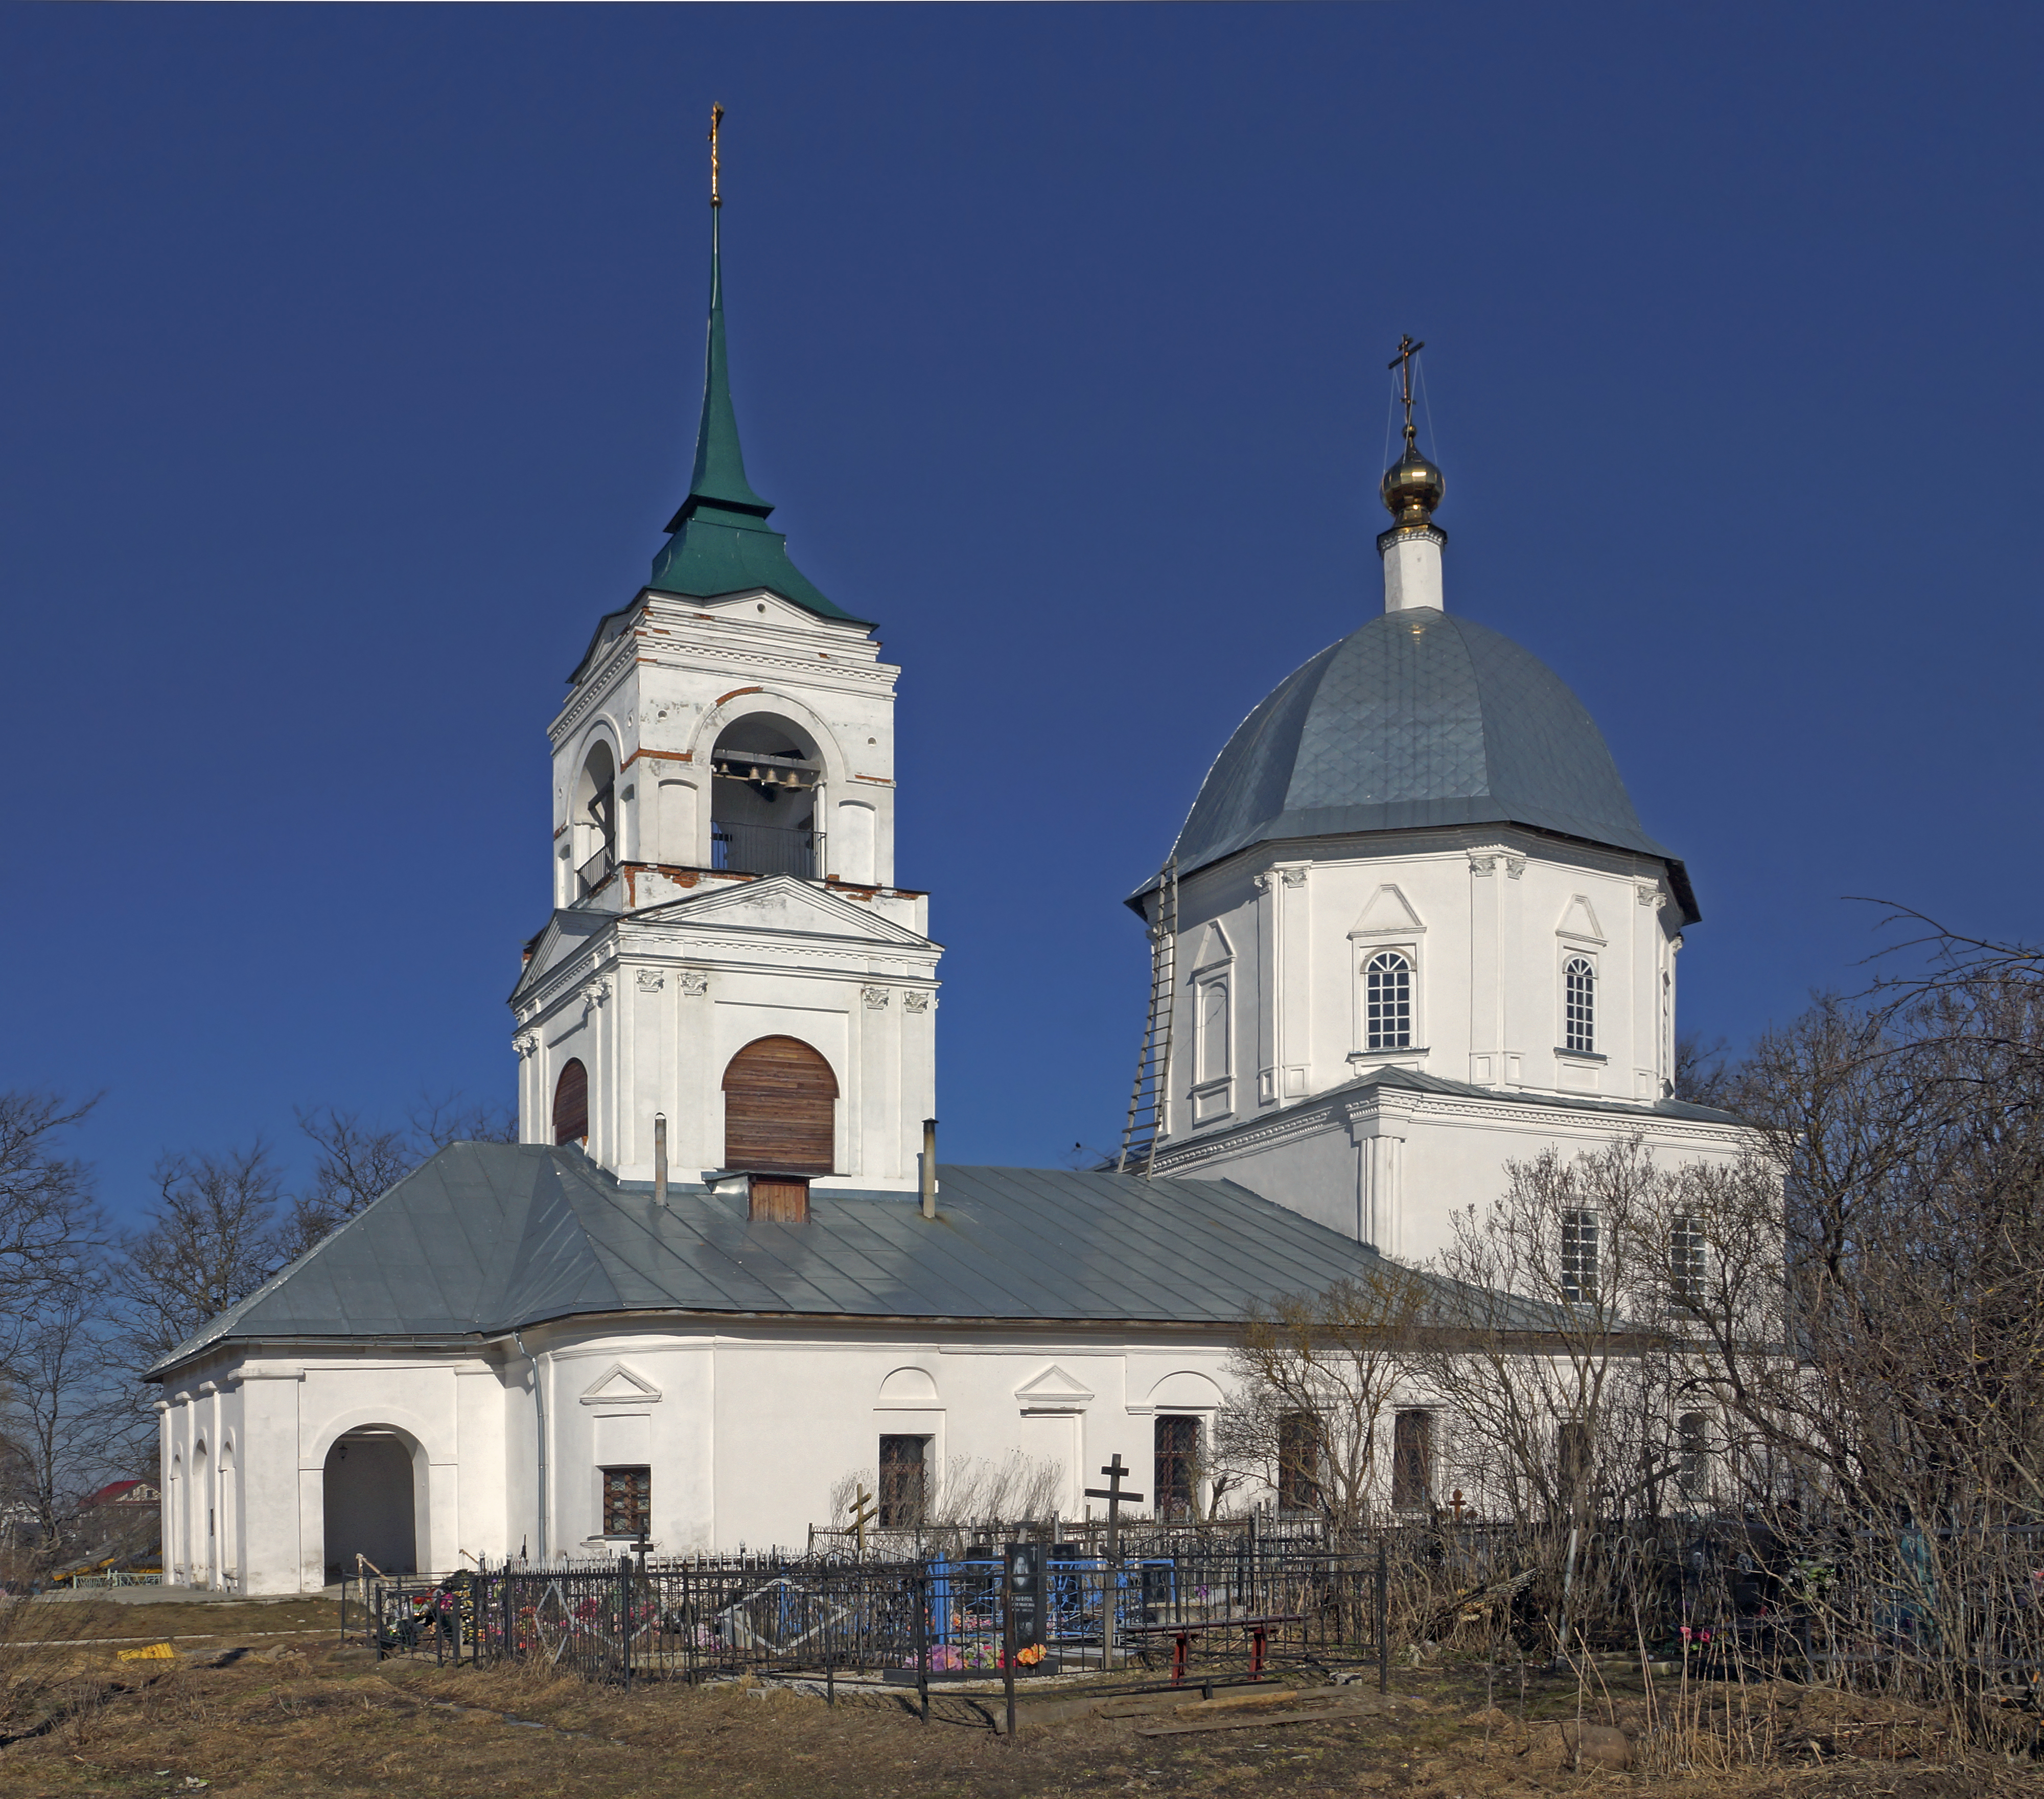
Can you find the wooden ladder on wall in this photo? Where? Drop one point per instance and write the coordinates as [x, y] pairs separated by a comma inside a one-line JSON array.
[[1151, 1092]]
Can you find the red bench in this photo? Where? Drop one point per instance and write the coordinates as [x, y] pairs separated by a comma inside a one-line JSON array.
[[1182, 1636]]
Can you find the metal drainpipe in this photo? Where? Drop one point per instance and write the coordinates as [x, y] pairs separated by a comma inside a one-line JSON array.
[[659, 1158], [929, 1167], [540, 1417]]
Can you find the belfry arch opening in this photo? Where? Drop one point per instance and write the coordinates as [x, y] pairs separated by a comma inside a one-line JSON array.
[[592, 819], [765, 774], [372, 1502]]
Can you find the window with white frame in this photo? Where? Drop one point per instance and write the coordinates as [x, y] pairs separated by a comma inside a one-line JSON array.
[[1579, 1005], [1388, 998], [1685, 1261], [1580, 1238]]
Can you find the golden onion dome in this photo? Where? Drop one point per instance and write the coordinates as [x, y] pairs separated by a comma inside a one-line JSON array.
[[1412, 488]]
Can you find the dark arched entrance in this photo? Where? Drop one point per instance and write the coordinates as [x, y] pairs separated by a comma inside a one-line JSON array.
[[371, 1504], [571, 1104], [780, 1109]]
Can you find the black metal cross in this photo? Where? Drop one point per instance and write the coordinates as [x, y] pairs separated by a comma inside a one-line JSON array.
[[1408, 349], [1115, 1499]]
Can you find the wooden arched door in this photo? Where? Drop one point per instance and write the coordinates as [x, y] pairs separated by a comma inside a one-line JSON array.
[[780, 1109], [571, 1104]]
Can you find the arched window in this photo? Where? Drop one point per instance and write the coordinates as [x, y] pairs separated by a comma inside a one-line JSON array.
[[762, 799], [595, 820], [780, 1109], [571, 1105], [1579, 1005], [1389, 979]]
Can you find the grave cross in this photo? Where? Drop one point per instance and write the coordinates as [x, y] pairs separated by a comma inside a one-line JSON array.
[[1116, 1499], [863, 1512]]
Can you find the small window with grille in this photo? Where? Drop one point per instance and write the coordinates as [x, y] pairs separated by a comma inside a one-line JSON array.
[[1579, 1006], [1388, 983], [627, 1502], [1175, 1493], [1413, 1459], [1685, 1262], [1693, 1433], [904, 1482], [1580, 1236], [1298, 1461]]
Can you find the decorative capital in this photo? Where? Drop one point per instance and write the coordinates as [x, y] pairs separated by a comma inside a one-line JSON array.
[[695, 983], [1293, 877], [526, 1043], [1514, 864], [1265, 881], [915, 1000], [597, 992], [875, 998], [1649, 893], [1483, 862], [650, 980]]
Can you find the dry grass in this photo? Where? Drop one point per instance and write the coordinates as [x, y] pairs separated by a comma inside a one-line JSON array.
[[266, 1716]]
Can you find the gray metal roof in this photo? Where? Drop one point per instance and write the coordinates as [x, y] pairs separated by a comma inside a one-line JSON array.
[[1420, 718], [486, 1238]]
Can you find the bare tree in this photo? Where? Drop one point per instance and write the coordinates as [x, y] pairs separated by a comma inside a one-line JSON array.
[[1315, 1376], [358, 1163], [208, 1241], [1553, 1360], [50, 1226], [66, 1426]]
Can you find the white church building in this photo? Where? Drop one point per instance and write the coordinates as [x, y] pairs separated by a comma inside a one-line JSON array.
[[1413, 928]]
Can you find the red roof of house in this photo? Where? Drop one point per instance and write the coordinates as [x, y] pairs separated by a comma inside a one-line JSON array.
[[123, 1492]]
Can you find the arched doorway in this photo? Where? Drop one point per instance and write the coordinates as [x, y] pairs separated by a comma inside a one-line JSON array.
[[571, 1104], [371, 1503], [780, 1109]]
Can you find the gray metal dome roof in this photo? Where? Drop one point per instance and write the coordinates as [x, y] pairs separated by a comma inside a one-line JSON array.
[[1419, 718]]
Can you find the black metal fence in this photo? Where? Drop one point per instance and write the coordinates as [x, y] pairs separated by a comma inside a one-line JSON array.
[[1722, 1598]]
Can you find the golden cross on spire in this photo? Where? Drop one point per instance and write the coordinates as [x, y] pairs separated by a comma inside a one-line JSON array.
[[717, 119], [1403, 362]]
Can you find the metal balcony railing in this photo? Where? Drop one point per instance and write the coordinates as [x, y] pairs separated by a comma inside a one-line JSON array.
[[595, 872], [767, 849]]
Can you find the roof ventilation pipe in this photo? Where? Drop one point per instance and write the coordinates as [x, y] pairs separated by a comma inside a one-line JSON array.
[[929, 1160]]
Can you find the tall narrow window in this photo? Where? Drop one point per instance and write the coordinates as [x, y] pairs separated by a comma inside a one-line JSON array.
[[1693, 1435], [1298, 1461], [1388, 981], [1177, 1473], [571, 1104], [1685, 1262], [1579, 1019], [627, 1502], [904, 1481], [1580, 1236], [1413, 1459]]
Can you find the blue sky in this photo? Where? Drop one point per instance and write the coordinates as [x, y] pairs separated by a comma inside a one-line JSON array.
[[351, 357]]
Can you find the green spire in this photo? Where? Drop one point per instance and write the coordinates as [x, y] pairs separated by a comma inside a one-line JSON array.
[[718, 477], [719, 541]]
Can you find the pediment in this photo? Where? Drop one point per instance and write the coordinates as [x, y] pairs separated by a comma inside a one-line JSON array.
[[1053, 1390], [1388, 914], [782, 904], [1579, 921], [1214, 948], [618, 1385], [568, 935]]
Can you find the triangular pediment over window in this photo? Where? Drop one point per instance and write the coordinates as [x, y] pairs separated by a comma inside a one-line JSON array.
[[618, 1384], [1053, 1390], [1579, 921], [1388, 914], [1214, 947]]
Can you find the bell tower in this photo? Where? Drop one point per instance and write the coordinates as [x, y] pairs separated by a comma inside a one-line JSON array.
[[723, 855]]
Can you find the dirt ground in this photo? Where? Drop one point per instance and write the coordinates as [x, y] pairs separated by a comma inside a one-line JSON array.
[[243, 1710]]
